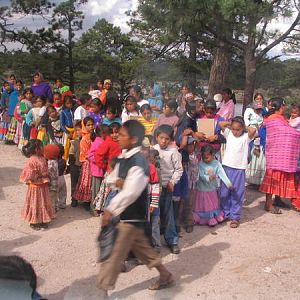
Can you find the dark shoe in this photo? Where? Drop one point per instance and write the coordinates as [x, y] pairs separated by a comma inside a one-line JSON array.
[[86, 206], [44, 225], [35, 226], [74, 203], [278, 202], [189, 228], [94, 213], [178, 229], [174, 249]]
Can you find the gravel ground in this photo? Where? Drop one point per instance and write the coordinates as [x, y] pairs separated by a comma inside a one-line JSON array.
[[256, 261]]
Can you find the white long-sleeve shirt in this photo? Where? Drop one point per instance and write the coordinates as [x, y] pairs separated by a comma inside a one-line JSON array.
[[135, 183]]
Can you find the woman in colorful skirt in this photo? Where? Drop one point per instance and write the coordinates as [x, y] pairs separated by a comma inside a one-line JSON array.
[[207, 209], [83, 189], [282, 153], [37, 210]]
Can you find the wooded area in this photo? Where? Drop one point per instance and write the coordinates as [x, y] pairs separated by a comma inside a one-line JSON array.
[[225, 42]]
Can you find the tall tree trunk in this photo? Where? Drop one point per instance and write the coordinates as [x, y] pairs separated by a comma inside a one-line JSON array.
[[192, 75], [218, 71], [250, 77], [70, 54]]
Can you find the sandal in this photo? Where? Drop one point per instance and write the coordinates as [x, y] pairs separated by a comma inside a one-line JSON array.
[[274, 210], [159, 284], [234, 224], [35, 226]]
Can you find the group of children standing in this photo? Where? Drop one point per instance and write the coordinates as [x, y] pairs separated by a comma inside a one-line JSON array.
[[193, 178]]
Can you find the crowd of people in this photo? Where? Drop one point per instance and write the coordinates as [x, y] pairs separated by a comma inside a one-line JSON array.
[[158, 163]]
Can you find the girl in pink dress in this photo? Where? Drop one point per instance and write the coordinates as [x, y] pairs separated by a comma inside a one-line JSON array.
[[38, 209]]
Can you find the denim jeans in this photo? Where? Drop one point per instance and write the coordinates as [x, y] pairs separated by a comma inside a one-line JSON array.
[[167, 216], [155, 231]]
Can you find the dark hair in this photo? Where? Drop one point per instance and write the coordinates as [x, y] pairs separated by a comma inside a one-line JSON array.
[[68, 98], [84, 98], [258, 94], [32, 147], [145, 107], [50, 107], [78, 124], [112, 109], [57, 93], [100, 129], [238, 119], [42, 98], [132, 99], [6, 82], [61, 150], [230, 93], [167, 129], [172, 104], [26, 90], [59, 79], [210, 104], [138, 90], [87, 119], [207, 149], [12, 75], [94, 87], [295, 106], [97, 102], [276, 104], [16, 268], [19, 81], [114, 125], [191, 105], [135, 129], [100, 80]]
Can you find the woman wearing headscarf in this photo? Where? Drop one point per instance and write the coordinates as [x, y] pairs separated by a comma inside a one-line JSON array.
[[41, 87]]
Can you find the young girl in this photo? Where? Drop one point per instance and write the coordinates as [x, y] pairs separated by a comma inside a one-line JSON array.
[[25, 107], [210, 112], [66, 124], [96, 111], [146, 120], [256, 169], [58, 102], [101, 132], [13, 103], [207, 207], [33, 117], [83, 188], [227, 106], [74, 162], [111, 116], [156, 101], [4, 116], [53, 127], [37, 210], [171, 172], [294, 120], [131, 109], [169, 116], [235, 163]]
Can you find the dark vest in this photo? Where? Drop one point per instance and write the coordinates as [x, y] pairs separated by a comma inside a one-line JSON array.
[[138, 209]]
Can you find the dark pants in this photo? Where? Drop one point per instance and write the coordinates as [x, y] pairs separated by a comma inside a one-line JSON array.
[[74, 173], [167, 216]]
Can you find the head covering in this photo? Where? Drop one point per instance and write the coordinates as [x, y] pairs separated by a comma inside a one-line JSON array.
[[218, 97], [146, 142], [51, 151], [107, 81]]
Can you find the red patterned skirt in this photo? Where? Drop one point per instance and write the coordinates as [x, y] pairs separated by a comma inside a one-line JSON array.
[[38, 206], [83, 191], [280, 183]]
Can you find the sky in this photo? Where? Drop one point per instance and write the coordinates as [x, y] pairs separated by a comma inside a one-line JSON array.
[[114, 12]]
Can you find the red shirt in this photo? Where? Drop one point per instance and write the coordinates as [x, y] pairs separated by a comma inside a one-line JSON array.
[[106, 152]]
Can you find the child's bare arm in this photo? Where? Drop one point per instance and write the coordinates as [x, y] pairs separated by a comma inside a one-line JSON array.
[[224, 125], [251, 132]]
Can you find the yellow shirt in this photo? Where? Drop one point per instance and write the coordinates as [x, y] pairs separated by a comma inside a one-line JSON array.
[[148, 125]]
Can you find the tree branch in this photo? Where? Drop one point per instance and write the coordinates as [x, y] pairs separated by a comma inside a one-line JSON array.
[[263, 30], [281, 38]]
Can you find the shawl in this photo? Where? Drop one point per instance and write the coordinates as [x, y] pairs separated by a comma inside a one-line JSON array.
[[282, 145]]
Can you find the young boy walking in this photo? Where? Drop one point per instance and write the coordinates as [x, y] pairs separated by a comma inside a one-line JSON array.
[[130, 176]]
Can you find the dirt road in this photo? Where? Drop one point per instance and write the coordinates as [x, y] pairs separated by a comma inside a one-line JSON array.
[[259, 260]]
